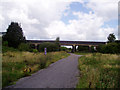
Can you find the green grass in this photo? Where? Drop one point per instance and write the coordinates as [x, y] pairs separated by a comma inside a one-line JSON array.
[[16, 65], [82, 53], [99, 71]]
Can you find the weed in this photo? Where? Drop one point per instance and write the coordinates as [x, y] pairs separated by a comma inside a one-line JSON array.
[[99, 71], [20, 64]]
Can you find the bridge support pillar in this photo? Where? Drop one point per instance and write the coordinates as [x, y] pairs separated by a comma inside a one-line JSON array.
[[90, 48], [73, 48], [36, 46], [95, 48]]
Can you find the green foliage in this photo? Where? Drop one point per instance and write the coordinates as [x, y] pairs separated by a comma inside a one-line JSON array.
[[14, 35], [93, 49], [57, 42], [5, 43], [24, 47], [6, 49], [109, 48], [99, 71], [50, 47], [16, 65], [35, 50], [63, 48], [111, 37], [83, 48]]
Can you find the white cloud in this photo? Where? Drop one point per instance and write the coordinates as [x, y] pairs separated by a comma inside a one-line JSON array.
[[87, 27], [41, 19], [108, 9]]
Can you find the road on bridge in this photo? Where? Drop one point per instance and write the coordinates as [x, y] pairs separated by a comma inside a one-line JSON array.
[[61, 74]]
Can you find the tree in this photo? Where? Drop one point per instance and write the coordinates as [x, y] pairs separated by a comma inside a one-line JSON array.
[[83, 48], [50, 47], [14, 35], [57, 41], [24, 47], [111, 37], [109, 48]]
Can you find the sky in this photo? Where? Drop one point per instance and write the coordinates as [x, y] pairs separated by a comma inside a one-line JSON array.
[[77, 20]]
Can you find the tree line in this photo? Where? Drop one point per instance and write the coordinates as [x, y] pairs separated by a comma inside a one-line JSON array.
[[112, 46]]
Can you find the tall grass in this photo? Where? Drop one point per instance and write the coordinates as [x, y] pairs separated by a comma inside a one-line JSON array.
[[99, 71], [20, 64]]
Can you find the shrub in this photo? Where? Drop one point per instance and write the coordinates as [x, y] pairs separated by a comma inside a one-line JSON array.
[[5, 49], [24, 47], [109, 48], [35, 50], [5, 43], [50, 47], [63, 48], [83, 48]]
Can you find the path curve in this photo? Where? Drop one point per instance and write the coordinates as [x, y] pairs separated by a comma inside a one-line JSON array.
[[61, 74]]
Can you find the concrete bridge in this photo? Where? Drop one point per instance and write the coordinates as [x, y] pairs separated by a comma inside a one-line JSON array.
[[67, 43]]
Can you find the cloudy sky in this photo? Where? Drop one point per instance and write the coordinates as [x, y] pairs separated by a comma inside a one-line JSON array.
[[67, 19]]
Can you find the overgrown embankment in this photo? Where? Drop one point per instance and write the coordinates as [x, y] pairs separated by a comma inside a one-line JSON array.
[[18, 64], [99, 71]]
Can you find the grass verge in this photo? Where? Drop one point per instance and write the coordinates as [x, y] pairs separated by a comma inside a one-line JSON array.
[[82, 53], [16, 65], [99, 71]]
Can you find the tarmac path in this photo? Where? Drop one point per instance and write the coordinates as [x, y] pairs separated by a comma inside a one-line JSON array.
[[61, 74]]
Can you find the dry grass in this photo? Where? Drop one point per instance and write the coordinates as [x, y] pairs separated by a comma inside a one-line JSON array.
[[19, 64], [99, 71]]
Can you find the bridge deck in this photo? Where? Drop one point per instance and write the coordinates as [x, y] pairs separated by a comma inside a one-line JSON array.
[[67, 42]]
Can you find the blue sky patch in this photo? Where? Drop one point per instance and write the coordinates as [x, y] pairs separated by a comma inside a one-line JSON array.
[[74, 7], [111, 23]]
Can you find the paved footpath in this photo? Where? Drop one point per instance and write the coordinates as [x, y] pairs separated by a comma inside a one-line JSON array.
[[61, 74]]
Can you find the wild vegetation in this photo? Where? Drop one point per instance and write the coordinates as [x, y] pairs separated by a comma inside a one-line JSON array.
[[99, 71], [14, 35], [113, 48], [20, 59], [18, 64]]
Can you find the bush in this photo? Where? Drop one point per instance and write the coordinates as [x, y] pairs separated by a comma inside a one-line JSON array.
[[35, 50], [5, 49], [83, 48], [109, 48], [50, 47], [24, 47], [92, 49], [5, 43], [63, 48]]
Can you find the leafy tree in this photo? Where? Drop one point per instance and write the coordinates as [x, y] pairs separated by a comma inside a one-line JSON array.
[[83, 48], [111, 37], [63, 48], [24, 47], [50, 47], [14, 35], [109, 48], [57, 41]]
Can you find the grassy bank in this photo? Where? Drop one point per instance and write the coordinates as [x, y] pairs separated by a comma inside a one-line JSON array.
[[17, 64], [99, 71]]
